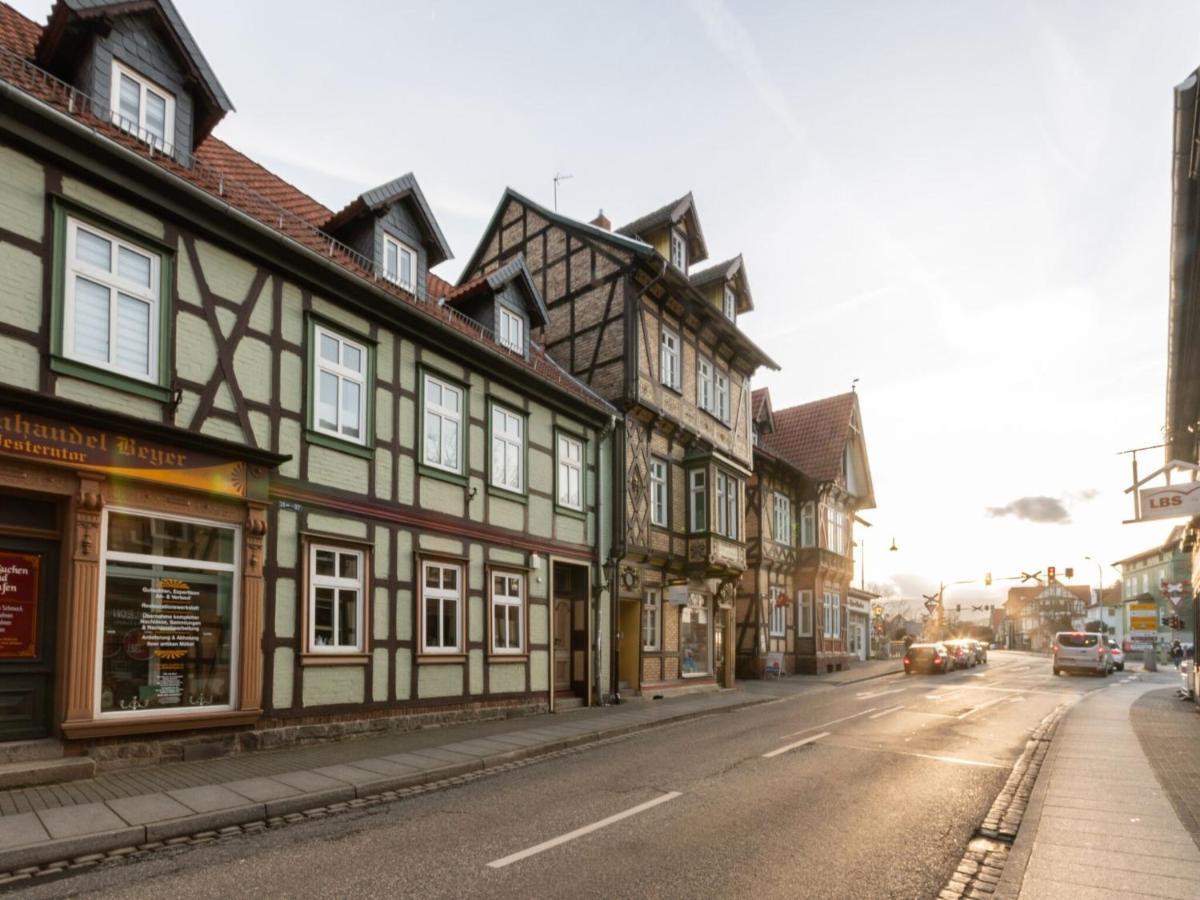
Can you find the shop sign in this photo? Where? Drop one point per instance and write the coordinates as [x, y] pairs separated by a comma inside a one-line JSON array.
[[1171, 501], [677, 595], [59, 443], [19, 574]]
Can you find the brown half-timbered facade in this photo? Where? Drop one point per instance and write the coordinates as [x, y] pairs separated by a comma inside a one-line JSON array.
[[261, 479], [630, 317], [811, 478]]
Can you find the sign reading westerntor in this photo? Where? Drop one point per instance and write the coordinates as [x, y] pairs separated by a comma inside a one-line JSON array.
[[112, 453]]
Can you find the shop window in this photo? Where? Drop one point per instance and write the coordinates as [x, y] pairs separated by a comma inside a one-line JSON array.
[[658, 492], [336, 599], [508, 613], [570, 472], [169, 614], [652, 620], [804, 613], [441, 607], [508, 449], [695, 641], [442, 416]]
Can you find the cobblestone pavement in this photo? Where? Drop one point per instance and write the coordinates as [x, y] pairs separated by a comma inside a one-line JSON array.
[[1169, 731]]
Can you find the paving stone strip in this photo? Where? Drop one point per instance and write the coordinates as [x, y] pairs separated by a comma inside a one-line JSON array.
[[983, 862]]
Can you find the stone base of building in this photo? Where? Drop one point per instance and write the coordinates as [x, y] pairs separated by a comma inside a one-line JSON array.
[[824, 663], [652, 690], [754, 668], [274, 732]]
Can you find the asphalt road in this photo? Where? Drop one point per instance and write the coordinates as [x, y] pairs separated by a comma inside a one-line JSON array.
[[869, 790]]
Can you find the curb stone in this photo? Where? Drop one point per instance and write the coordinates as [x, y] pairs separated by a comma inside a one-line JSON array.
[[67, 855], [981, 870]]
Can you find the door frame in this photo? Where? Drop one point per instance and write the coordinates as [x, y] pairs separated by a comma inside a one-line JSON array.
[[586, 565], [49, 620]]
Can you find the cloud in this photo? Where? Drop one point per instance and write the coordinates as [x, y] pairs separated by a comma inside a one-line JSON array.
[[1034, 509]]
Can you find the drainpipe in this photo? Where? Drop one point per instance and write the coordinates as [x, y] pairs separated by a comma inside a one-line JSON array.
[[609, 563]]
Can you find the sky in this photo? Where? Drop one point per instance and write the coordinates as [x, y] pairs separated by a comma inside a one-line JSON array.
[[963, 205]]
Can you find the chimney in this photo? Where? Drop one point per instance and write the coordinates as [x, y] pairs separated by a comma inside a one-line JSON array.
[[601, 222]]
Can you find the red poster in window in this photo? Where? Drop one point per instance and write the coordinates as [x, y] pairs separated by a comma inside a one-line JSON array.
[[19, 573]]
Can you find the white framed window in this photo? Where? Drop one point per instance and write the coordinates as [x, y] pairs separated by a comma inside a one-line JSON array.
[[804, 613], [697, 500], [442, 417], [399, 263], [721, 396], [778, 624], [658, 491], [652, 620], [704, 385], [508, 449], [336, 591], [833, 614], [808, 525], [669, 359], [341, 386], [511, 331], [142, 107], [835, 530], [508, 613], [783, 519], [679, 250], [727, 506], [441, 607], [729, 304], [570, 472], [111, 303]]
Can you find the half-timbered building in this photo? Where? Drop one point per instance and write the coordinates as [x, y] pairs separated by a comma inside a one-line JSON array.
[[631, 316], [262, 475], [811, 478]]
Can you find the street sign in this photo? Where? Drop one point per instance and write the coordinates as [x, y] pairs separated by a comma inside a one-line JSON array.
[[1171, 501], [1173, 592], [1143, 622]]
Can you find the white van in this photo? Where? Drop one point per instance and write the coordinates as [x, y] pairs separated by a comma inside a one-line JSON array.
[[1081, 651]]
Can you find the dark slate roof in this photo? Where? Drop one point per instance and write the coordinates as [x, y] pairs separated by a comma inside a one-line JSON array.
[[812, 436], [669, 215], [514, 269], [398, 189], [724, 271]]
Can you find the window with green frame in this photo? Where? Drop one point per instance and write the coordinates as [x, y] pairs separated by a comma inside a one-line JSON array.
[[508, 445], [341, 388], [111, 303]]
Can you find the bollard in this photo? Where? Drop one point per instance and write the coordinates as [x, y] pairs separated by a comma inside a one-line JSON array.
[[1149, 660]]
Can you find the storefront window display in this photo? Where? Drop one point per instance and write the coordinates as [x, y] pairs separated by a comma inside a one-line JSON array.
[[169, 614], [695, 638]]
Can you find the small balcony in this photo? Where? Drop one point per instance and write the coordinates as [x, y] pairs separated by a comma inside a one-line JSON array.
[[716, 554]]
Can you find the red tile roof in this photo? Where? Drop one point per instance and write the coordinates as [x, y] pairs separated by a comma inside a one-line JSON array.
[[812, 437], [438, 287], [758, 398], [238, 181]]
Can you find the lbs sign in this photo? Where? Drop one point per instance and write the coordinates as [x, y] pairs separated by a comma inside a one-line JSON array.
[[1171, 501]]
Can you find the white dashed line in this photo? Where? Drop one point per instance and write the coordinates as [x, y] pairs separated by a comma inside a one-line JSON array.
[[807, 740], [886, 712], [834, 722]]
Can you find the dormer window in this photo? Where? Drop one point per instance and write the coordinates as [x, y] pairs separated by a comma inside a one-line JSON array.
[[399, 263], [142, 107], [679, 251], [511, 331], [730, 304]]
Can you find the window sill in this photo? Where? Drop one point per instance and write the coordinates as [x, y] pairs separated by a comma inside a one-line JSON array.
[[329, 442], [441, 474], [352, 658], [570, 512], [506, 494], [508, 657], [426, 657], [104, 377], [678, 391]]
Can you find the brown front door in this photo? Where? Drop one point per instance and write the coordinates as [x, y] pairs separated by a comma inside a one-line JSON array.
[[28, 603]]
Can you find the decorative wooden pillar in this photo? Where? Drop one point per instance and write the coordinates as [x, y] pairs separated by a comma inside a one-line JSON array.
[[82, 606], [250, 672]]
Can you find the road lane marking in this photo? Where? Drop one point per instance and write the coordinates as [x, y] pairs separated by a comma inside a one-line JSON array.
[[580, 832], [975, 709], [872, 695], [886, 712], [956, 760], [807, 740], [834, 722]]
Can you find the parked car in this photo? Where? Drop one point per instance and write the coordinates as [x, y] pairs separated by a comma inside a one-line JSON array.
[[1118, 655], [962, 651], [981, 650], [932, 658], [1081, 651]]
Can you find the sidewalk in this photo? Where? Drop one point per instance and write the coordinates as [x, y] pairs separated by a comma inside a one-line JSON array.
[[1100, 823], [790, 684]]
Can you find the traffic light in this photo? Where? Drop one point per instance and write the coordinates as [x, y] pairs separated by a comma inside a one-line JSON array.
[[1050, 570], [987, 578]]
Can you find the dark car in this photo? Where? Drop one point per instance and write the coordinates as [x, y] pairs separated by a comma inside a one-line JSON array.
[[933, 658]]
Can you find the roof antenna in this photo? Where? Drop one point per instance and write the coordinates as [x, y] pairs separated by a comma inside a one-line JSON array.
[[854, 386], [558, 176]]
